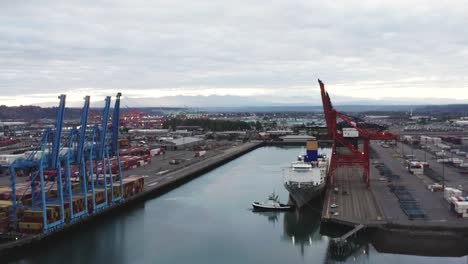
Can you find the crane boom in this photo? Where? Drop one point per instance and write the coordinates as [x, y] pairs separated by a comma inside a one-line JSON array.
[[103, 134], [115, 125], [58, 133], [82, 133], [357, 157]]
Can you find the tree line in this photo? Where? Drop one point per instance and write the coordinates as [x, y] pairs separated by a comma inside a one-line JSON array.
[[212, 124]]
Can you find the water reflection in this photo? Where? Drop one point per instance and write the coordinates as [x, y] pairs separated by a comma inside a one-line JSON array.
[[207, 221], [302, 228], [354, 249], [271, 216]]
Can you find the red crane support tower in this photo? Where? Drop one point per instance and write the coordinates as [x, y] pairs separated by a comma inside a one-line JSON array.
[[357, 157]]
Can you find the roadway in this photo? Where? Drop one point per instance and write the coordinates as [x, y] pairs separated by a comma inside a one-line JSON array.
[[160, 172]]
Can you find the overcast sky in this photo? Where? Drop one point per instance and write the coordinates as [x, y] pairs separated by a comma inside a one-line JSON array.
[[271, 52]]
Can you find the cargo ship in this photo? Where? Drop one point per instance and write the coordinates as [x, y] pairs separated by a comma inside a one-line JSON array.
[[307, 177]]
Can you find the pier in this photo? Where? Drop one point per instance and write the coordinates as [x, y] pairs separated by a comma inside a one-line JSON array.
[[378, 207], [350, 233], [355, 202]]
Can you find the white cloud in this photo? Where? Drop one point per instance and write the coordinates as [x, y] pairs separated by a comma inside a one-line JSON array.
[[268, 49]]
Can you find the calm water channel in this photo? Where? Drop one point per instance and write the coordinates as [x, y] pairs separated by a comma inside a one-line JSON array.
[[209, 221]]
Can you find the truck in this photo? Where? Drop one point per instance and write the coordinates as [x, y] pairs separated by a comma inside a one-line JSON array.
[[416, 168], [200, 153], [156, 152]]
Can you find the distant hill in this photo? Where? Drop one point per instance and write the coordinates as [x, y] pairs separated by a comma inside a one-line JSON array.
[[451, 108], [36, 112], [317, 108], [29, 112]]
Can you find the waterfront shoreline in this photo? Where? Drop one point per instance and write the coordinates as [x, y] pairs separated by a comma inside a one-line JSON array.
[[186, 174], [179, 177]]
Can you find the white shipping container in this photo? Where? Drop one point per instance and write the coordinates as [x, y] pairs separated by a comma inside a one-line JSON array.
[[443, 146], [64, 151], [461, 207], [35, 155], [457, 162], [424, 138], [6, 160], [156, 151], [451, 193], [434, 185], [200, 153], [407, 138], [451, 200], [443, 160], [350, 132]]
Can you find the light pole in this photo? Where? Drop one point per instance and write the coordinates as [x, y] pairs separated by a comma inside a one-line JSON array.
[[443, 175], [425, 152], [402, 150]]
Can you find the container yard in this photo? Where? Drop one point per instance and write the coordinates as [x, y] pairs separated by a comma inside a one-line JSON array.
[[377, 180], [66, 178], [71, 178], [395, 183]]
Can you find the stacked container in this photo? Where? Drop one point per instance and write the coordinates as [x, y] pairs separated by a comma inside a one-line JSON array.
[[5, 207], [451, 192], [32, 220], [311, 151], [459, 205]]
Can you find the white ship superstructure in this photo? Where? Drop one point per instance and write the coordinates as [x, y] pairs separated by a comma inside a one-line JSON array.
[[307, 177]]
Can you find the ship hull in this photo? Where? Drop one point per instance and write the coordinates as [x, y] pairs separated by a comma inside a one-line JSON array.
[[303, 194]]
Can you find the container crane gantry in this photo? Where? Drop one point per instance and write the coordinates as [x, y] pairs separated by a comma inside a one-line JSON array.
[[90, 157], [357, 157], [115, 146]]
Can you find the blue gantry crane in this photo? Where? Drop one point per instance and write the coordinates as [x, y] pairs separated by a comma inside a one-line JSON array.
[[115, 147], [45, 157], [75, 155], [90, 150], [100, 156]]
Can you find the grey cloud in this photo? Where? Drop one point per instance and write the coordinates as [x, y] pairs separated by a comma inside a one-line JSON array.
[[57, 46]]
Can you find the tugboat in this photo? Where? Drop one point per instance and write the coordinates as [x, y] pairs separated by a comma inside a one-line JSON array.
[[272, 204]]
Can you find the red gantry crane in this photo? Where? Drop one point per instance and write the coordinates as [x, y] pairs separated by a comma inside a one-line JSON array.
[[352, 138]]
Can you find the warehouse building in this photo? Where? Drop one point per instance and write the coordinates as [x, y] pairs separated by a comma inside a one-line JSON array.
[[181, 143]]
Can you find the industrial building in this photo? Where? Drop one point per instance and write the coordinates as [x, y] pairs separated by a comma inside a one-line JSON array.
[[180, 143], [297, 138]]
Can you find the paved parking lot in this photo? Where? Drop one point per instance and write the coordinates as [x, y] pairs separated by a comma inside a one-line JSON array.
[[436, 208]]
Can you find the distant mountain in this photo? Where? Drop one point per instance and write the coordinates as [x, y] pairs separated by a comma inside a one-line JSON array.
[[29, 112], [215, 103], [263, 109], [316, 108], [231, 101], [452, 108], [202, 101]]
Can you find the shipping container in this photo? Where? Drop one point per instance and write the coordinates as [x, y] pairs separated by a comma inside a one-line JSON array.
[[350, 132]]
